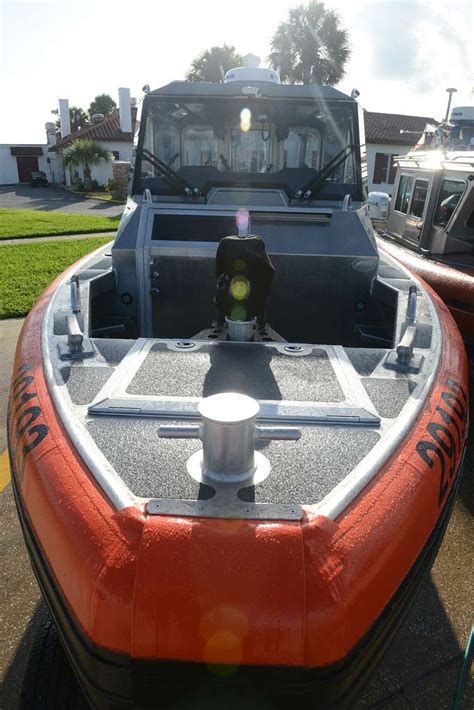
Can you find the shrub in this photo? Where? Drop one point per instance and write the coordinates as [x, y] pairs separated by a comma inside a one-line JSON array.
[[110, 185]]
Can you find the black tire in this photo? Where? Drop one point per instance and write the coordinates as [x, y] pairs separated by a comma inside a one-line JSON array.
[[49, 682]]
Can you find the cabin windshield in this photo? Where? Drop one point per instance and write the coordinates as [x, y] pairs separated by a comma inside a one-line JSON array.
[[235, 141]]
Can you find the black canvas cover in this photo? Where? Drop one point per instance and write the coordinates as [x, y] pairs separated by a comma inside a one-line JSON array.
[[244, 276]]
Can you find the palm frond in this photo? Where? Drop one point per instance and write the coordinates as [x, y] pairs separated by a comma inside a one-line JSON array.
[[311, 46]]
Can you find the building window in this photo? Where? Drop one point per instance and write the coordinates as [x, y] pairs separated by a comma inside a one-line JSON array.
[[384, 168], [380, 168], [116, 154], [448, 198], [419, 198], [393, 170], [404, 194]]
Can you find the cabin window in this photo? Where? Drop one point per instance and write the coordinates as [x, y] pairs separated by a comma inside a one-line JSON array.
[[250, 151], [201, 147], [404, 194], [302, 149], [384, 169], [221, 141], [161, 140], [419, 198], [449, 195]]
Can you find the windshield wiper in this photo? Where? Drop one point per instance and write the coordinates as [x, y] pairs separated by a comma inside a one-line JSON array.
[[170, 175], [314, 186]]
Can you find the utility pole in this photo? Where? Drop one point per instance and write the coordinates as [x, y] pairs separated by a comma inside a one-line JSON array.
[[450, 92]]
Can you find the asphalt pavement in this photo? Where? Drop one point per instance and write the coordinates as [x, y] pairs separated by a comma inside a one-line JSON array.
[[55, 199], [418, 672]]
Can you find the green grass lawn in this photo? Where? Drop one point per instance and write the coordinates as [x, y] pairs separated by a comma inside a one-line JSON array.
[[98, 195], [15, 224], [26, 269]]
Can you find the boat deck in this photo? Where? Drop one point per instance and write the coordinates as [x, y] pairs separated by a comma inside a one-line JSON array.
[[351, 409]]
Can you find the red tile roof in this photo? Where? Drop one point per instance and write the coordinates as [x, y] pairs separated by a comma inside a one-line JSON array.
[[106, 130], [385, 127]]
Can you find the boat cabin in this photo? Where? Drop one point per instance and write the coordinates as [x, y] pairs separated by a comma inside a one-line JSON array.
[[432, 211], [246, 157]]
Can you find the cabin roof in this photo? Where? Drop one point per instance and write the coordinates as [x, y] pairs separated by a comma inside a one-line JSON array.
[[386, 127], [234, 88]]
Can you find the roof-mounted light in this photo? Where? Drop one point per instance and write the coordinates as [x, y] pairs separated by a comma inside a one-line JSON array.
[[253, 91]]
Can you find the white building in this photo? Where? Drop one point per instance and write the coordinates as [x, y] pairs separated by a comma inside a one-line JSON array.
[[19, 160], [384, 140], [114, 133]]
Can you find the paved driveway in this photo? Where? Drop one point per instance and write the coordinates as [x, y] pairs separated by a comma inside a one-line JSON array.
[[54, 199]]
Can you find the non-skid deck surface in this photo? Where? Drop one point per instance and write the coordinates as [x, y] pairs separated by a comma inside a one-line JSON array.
[[302, 472], [258, 371]]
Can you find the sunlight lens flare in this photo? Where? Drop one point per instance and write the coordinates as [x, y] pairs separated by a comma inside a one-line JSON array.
[[242, 218], [239, 288], [245, 119]]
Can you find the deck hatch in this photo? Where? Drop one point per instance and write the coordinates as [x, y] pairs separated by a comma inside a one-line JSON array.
[[305, 387]]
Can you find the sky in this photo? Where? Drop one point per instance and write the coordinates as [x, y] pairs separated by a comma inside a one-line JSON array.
[[405, 53]]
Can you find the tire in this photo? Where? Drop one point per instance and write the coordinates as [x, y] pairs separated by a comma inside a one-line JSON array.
[[49, 682]]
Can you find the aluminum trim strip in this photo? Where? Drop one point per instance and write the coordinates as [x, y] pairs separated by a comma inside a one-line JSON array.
[[224, 509], [349, 488], [271, 411], [108, 479]]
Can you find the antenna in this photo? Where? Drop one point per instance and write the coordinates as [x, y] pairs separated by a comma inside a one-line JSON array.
[[450, 92], [252, 61]]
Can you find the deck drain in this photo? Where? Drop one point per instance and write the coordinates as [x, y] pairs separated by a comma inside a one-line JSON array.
[[185, 345]]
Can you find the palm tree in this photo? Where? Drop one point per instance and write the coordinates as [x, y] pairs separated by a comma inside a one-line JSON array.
[[85, 152], [310, 47], [206, 66]]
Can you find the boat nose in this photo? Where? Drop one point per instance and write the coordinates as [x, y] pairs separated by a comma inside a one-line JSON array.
[[220, 591]]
